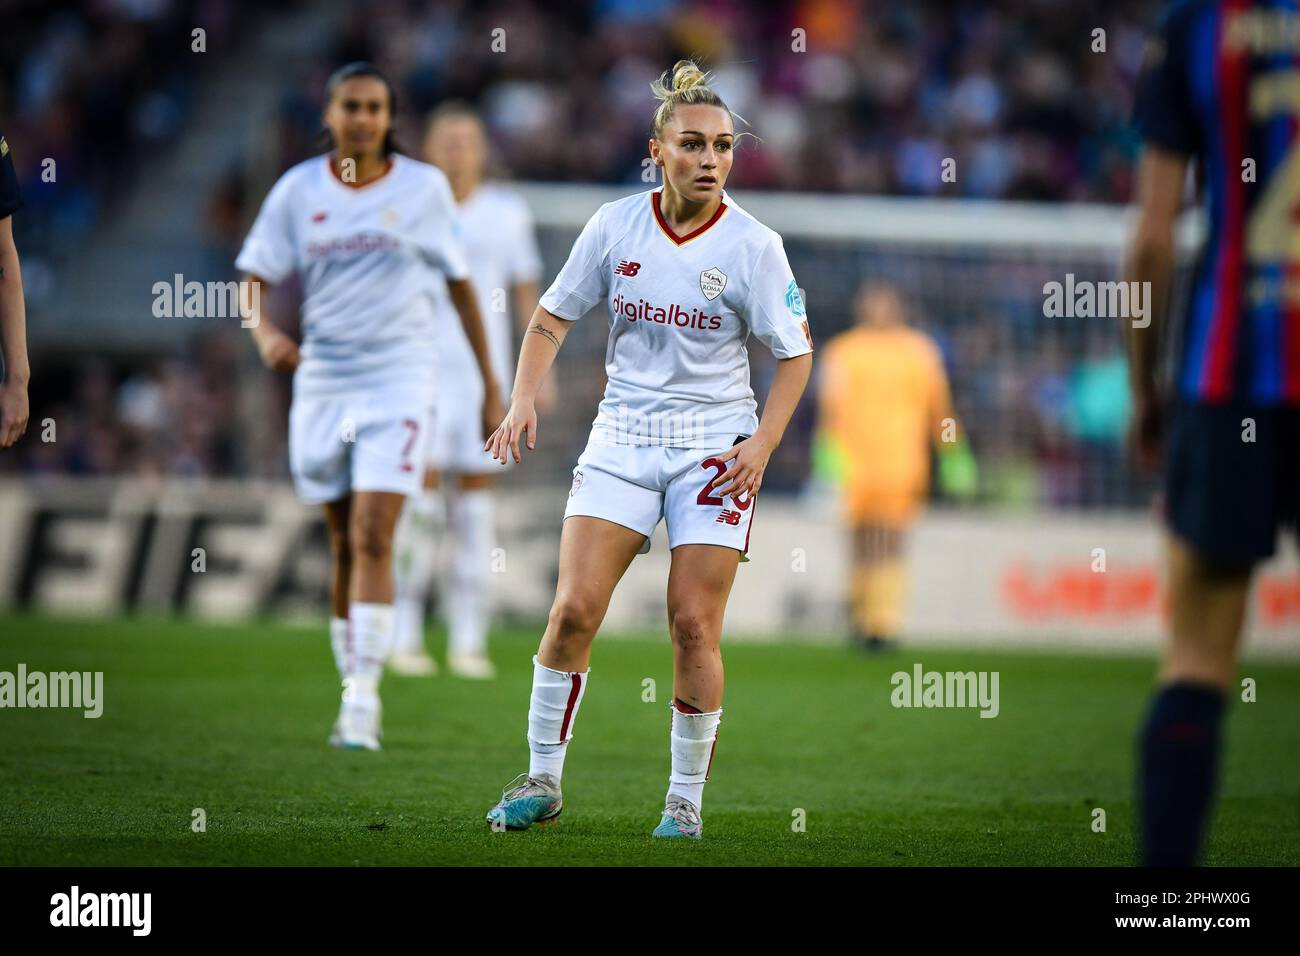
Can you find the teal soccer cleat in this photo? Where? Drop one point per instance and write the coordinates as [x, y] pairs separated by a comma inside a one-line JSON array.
[[681, 819], [535, 800]]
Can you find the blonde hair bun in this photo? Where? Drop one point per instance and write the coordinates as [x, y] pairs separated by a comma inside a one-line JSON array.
[[685, 76], [684, 85]]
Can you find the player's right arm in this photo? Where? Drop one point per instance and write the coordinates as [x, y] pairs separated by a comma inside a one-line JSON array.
[[542, 341], [267, 257], [1151, 260], [277, 350], [1171, 134]]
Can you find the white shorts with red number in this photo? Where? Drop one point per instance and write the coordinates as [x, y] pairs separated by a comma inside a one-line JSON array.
[[637, 485], [364, 442]]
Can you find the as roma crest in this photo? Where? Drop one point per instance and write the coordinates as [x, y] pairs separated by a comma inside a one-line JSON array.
[[712, 282]]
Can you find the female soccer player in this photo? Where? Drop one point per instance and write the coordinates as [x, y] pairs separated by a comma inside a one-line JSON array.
[[687, 276], [371, 233], [502, 253], [884, 402]]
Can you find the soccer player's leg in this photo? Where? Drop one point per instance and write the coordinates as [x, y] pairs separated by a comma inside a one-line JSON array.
[[708, 536], [470, 518], [1223, 509], [374, 517], [699, 583], [608, 521], [470, 523], [319, 460], [878, 519], [1181, 738], [594, 554], [338, 519], [386, 469]]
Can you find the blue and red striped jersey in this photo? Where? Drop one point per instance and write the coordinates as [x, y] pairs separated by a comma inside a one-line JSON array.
[[1221, 84]]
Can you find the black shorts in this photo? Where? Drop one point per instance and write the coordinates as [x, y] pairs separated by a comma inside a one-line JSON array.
[[1226, 495]]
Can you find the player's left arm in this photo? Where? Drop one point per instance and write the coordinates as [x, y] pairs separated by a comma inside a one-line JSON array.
[[774, 310], [14, 407], [1150, 262], [745, 476]]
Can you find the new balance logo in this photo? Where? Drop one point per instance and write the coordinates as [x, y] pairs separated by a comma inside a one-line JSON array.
[[627, 268], [728, 517]]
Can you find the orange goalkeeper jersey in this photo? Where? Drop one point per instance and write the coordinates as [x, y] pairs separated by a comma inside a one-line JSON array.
[[883, 396]]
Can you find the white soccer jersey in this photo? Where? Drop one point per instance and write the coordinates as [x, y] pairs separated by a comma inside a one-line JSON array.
[[681, 308], [501, 250], [372, 260]]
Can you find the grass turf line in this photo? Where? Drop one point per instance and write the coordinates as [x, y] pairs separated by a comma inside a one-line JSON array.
[[233, 720]]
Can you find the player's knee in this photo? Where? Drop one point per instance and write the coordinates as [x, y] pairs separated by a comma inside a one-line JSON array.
[[574, 618], [692, 631], [370, 542]]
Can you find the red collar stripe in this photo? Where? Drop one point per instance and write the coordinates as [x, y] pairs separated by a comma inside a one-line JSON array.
[[663, 224]]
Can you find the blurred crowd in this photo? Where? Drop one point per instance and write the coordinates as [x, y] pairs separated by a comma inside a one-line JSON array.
[[863, 96], [88, 91], [855, 96]]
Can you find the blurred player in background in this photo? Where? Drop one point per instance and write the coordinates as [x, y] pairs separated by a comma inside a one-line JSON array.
[[1218, 88], [13, 314], [371, 233], [687, 277], [883, 404], [504, 265]]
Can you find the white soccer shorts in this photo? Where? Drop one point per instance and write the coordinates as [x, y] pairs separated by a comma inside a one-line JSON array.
[[371, 441], [637, 485]]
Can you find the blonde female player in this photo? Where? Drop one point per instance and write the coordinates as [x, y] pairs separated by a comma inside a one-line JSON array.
[[370, 233], [687, 276]]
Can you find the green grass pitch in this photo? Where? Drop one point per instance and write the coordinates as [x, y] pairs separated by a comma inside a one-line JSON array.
[[233, 720]]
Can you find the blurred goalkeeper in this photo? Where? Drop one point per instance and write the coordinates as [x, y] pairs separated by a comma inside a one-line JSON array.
[[1218, 89], [883, 404]]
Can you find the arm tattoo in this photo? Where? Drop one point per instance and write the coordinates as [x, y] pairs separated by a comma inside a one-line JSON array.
[[543, 330]]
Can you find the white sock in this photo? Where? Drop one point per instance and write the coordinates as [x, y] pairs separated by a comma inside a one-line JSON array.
[[552, 711], [692, 741], [369, 646], [469, 516], [408, 626], [339, 643], [415, 555]]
